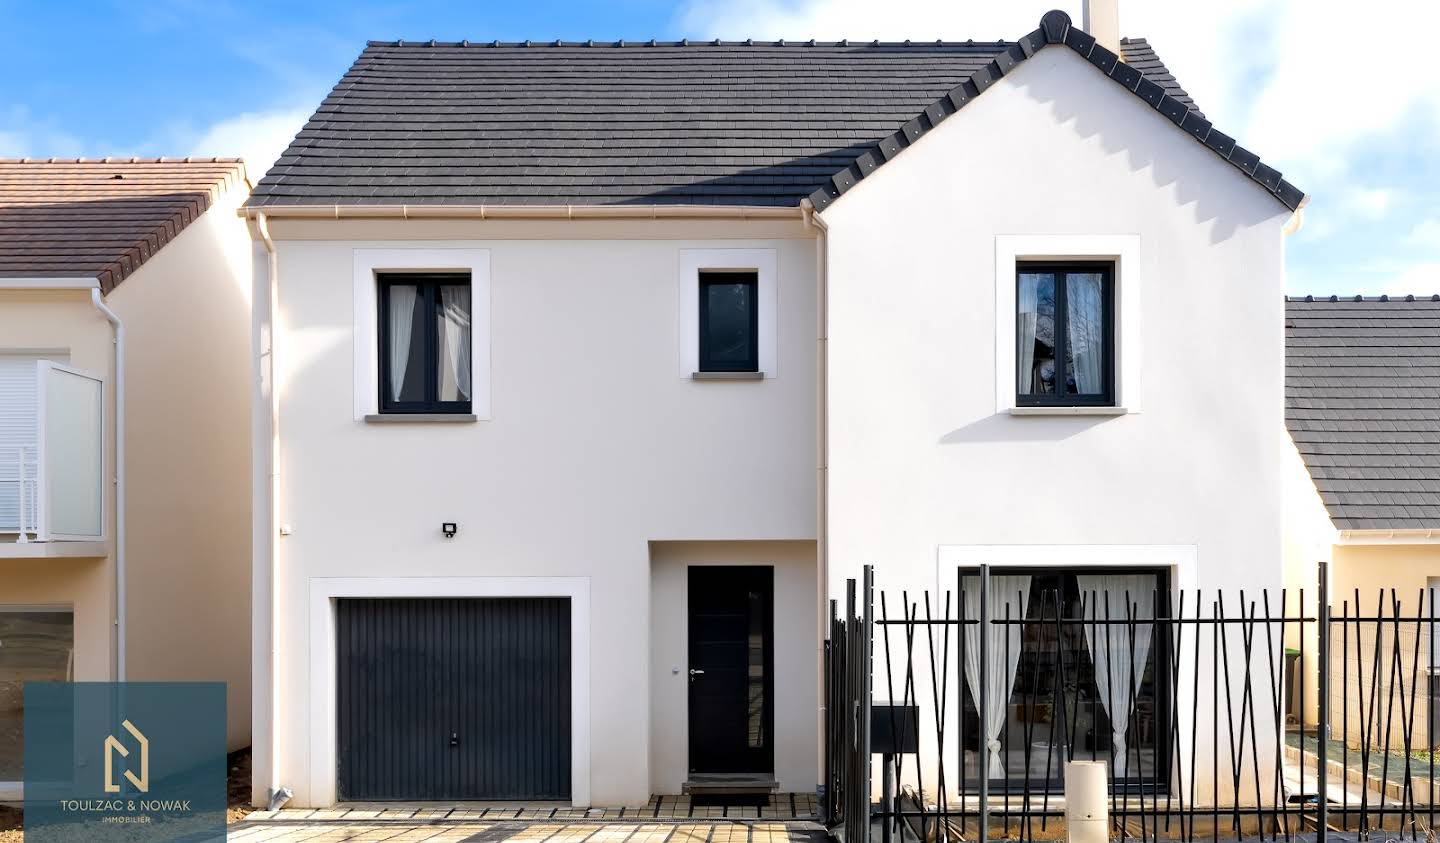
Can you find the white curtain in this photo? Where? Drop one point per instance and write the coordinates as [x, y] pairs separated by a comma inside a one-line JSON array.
[[1027, 317], [402, 321], [1119, 662], [455, 335], [1086, 323], [1014, 591]]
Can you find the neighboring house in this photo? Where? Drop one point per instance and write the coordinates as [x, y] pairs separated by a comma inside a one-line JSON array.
[[590, 371], [1362, 402], [124, 537]]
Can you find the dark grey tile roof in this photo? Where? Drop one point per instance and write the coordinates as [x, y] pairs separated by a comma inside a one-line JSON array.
[[738, 123], [1362, 401]]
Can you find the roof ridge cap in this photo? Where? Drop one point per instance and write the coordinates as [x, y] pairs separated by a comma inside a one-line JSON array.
[[686, 42], [111, 159]]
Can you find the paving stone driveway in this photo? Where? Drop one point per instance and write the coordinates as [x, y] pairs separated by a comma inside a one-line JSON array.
[[446, 830], [788, 818]]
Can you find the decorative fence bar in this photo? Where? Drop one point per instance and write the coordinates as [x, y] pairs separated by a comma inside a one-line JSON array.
[[1202, 707]]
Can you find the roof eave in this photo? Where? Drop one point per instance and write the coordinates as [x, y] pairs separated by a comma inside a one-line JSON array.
[[484, 212]]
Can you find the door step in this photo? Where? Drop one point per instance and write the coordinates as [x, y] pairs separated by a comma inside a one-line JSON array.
[[717, 784]]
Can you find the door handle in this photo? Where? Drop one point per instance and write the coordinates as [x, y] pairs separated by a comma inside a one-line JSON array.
[[694, 673]]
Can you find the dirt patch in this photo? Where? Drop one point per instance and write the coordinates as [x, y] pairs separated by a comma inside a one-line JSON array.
[[238, 792], [237, 795]]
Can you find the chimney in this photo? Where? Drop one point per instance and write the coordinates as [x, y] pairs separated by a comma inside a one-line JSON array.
[[1101, 18]]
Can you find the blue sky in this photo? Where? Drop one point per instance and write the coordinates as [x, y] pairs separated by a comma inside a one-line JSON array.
[[1309, 84]]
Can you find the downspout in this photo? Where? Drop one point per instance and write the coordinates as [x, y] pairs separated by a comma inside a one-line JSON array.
[[118, 328], [278, 795], [822, 447]]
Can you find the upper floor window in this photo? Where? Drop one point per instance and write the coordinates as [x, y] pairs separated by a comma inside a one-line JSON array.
[[425, 351], [729, 321], [1065, 334]]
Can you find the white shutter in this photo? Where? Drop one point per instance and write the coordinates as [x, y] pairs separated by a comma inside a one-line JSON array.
[[19, 429], [72, 453]]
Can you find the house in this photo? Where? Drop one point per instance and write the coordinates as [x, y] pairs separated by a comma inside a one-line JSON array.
[[124, 429], [1363, 485], [590, 372]]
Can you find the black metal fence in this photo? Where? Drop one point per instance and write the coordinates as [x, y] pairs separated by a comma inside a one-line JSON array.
[[1214, 714]]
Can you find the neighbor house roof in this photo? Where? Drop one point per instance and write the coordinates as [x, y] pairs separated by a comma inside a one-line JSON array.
[[1362, 401], [100, 217], [692, 123]]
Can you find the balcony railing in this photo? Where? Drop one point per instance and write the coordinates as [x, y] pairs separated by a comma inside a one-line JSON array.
[[19, 485], [52, 452]]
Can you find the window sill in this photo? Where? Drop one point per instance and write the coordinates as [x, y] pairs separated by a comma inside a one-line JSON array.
[[728, 376], [1068, 411], [421, 418]]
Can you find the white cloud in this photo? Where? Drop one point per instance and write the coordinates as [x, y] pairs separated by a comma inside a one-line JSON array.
[[923, 20], [25, 135], [1421, 279], [1266, 71], [1425, 234], [258, 137], [1371, 202]]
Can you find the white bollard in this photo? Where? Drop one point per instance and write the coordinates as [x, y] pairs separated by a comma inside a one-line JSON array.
[[1087, 804]]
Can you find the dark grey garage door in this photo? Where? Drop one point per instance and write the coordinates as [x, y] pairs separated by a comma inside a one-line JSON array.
[[453, 699]]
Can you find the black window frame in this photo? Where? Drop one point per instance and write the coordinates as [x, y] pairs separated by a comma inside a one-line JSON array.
[[1162, 648], [1106, 397], [709, 277], [428, 285]]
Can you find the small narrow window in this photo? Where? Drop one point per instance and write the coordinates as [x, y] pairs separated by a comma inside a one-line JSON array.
[[1065, 335], [425, 343], [729, 321]]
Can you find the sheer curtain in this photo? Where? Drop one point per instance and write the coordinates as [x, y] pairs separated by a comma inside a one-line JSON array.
[[1085, 322], [1027, 317], [1014, 591], [402, 322], [455, 339], [1119, 662]]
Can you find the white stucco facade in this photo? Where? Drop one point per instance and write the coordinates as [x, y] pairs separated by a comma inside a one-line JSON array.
[[593, 447], [598, 460], [922, 453], [930, 467]]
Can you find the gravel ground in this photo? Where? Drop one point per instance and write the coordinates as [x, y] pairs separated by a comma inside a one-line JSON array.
[[238, 793]]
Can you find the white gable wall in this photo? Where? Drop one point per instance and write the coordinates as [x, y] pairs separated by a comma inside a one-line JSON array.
[[928, 470], [920, 458]]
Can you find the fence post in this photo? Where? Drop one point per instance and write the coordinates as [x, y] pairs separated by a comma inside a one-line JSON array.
[[983, 706], [866, 691], [1322, 728]]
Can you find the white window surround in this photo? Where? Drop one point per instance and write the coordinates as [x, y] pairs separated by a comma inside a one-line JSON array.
[[765, 262], [325, 590], [1124, 250], [427, 258], [1181, 559]]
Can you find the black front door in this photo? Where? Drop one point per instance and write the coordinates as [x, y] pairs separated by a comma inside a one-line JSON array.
[[732, 709]]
